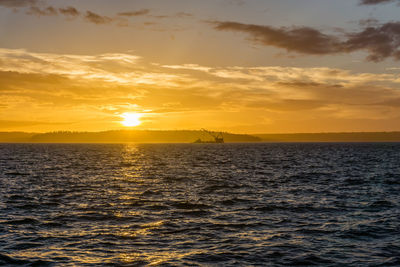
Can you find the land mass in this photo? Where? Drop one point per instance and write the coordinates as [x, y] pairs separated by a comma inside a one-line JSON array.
[[186, 136], [332, 137], [121, 136]]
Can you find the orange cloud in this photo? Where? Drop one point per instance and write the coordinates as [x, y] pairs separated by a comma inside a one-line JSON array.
[[90, 93]]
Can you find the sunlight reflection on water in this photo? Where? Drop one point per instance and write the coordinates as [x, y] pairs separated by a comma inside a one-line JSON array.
[[191, 204]]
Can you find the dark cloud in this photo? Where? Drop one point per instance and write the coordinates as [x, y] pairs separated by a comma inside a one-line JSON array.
[[69, 11], [381, 42], [375, 2], [141, 12], [48, 11], [300, 39], [17, 3], [97, 19], [36, 8], [33, 7]]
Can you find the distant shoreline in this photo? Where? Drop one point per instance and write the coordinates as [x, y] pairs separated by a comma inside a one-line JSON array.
[[189, 136], [352, 137], [194, 144]]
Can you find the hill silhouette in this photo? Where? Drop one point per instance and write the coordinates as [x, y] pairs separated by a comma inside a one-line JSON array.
[[121, 136], [332, 137], [15, 137], [187, 136]]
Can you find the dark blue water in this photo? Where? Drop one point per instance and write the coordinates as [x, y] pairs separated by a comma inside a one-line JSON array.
[[200, 204]]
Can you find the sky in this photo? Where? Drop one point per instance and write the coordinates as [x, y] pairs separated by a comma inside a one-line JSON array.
[[243, 66]]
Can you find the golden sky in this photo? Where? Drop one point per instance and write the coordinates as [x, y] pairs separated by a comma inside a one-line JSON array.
[[240, 66]]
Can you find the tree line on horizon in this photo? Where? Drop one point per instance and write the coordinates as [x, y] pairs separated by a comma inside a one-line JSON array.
[[120, 136], [189, 136]]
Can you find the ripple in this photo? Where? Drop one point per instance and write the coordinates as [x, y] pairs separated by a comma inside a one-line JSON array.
[[170, 205], [7, 260], [29, 221]]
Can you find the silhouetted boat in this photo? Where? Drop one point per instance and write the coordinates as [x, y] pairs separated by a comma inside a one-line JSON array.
[[218, 138]]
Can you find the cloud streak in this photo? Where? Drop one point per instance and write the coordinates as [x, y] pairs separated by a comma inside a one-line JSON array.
[[35, 8], [97, 19], [115, 83], [69, 11], [48, 11], [380, 42], [376, 2], [136, 13]]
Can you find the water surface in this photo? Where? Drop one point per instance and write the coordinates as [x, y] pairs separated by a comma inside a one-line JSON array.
[[200, 204]]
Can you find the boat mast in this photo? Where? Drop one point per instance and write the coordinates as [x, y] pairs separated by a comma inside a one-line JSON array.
[[218, 137]]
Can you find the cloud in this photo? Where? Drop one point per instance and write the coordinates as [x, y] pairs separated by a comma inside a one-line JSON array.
[[69, 11], [114, 68], [141, 12], [48, 11], [179, 15], [375, 2], [36, 8], [380, 42], [97, 19], [65, 88], [176, 15], [146, 12], [300, 39], [101, 19]]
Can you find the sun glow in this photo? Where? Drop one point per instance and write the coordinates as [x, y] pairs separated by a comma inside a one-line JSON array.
[[131, 119]]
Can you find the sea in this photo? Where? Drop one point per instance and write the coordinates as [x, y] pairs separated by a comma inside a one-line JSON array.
[[261, 204]]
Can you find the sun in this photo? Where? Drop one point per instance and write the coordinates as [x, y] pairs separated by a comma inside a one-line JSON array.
[[131, 119]]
